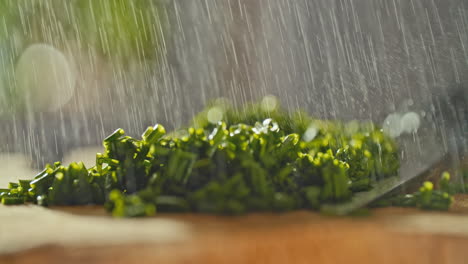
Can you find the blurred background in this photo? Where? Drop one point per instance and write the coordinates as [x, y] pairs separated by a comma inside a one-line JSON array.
[[73, 71]]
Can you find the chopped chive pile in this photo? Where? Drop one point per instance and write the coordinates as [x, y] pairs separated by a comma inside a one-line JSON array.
[[229, 161], [428, 197]]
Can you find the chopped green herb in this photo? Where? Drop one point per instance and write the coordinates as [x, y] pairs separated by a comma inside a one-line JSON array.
[[426, 197], [12, 200], [260, 158]]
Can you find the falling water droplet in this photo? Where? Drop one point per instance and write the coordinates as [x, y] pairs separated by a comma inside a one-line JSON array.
[[410, 122], [214, 115], [45, 80], [392, 125]]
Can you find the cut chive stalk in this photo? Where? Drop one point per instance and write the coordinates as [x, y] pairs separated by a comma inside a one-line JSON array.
[[7, 200], [153, 134], [24, 184], [42, 184], [115, 135], [13, 185]]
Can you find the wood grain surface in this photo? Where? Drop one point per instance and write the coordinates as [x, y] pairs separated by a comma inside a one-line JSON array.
[[390, 235], [89, 235]]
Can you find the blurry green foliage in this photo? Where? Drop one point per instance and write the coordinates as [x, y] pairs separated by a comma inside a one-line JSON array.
[[123, 28], [120, 29]]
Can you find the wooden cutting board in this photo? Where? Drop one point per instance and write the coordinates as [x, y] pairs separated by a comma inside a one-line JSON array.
[[88, 235], [31, 234]]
